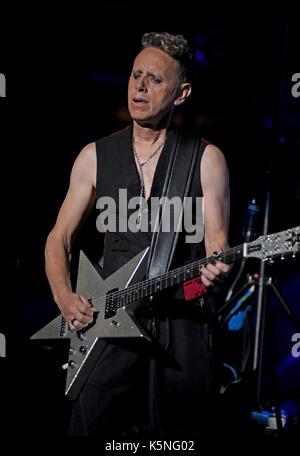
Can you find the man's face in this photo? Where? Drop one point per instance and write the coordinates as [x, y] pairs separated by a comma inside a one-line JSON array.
[[153, 86]]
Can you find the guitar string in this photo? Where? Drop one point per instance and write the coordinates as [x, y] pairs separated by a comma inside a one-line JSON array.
[[135, 287]]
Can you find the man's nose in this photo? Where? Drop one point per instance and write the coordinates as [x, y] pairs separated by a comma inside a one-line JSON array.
[[141, 84]]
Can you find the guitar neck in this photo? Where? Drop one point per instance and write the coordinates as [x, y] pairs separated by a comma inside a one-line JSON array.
[[149, 287]]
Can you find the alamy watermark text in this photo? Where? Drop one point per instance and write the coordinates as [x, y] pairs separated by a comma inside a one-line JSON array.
[[2, 85], [165, 214], [296, 87], [2, 346]]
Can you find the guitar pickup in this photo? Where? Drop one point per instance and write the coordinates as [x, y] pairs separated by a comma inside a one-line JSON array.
[[110, 307]]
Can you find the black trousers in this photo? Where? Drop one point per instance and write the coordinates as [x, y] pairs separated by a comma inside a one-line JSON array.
[[165, 387]]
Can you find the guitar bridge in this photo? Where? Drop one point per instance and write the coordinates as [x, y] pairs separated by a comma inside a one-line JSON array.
[[110, 310]]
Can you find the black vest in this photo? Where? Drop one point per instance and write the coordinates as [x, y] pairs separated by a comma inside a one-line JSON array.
[[116, 169]]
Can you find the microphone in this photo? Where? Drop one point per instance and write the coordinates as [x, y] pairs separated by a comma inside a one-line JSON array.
[[249, 230]]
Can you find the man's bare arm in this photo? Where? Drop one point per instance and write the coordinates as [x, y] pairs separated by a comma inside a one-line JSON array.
[[216, 193], [76, 206]]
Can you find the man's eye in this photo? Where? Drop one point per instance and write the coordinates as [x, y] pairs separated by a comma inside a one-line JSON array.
[[136, 75], [155, 79]]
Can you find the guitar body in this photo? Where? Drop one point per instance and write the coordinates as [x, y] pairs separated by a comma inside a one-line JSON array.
[[86, 345]]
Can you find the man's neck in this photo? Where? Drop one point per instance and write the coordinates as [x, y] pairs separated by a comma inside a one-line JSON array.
[[150, 135]]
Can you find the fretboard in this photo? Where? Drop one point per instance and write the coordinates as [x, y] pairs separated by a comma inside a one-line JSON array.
[[149, 287]]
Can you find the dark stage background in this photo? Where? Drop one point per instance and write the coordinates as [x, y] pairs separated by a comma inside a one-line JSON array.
[[66, 86]]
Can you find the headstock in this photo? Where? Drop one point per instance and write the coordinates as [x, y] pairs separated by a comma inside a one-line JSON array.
[[277, 244]]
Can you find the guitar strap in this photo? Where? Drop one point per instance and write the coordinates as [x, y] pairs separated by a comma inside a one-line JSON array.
[[177, 183]]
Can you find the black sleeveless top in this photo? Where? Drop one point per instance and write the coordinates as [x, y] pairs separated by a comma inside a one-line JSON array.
[[118, 181]]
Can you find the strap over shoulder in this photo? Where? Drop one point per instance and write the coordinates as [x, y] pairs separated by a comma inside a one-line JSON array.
[[177, 183]]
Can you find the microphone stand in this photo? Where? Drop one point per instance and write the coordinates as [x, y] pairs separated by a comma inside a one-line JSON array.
[[264, 281], [260, 324], [263, 284]]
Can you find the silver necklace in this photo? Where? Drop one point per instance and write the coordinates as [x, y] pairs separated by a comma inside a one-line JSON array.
[[142, 180]]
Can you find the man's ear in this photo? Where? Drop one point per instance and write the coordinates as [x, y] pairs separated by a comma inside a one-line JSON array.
[[184, 92]]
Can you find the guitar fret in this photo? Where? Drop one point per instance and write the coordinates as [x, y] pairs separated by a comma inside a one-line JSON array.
[[130, 296], [187, 273], [150, 288], [195, 270], [167, 282], [148, 291]]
